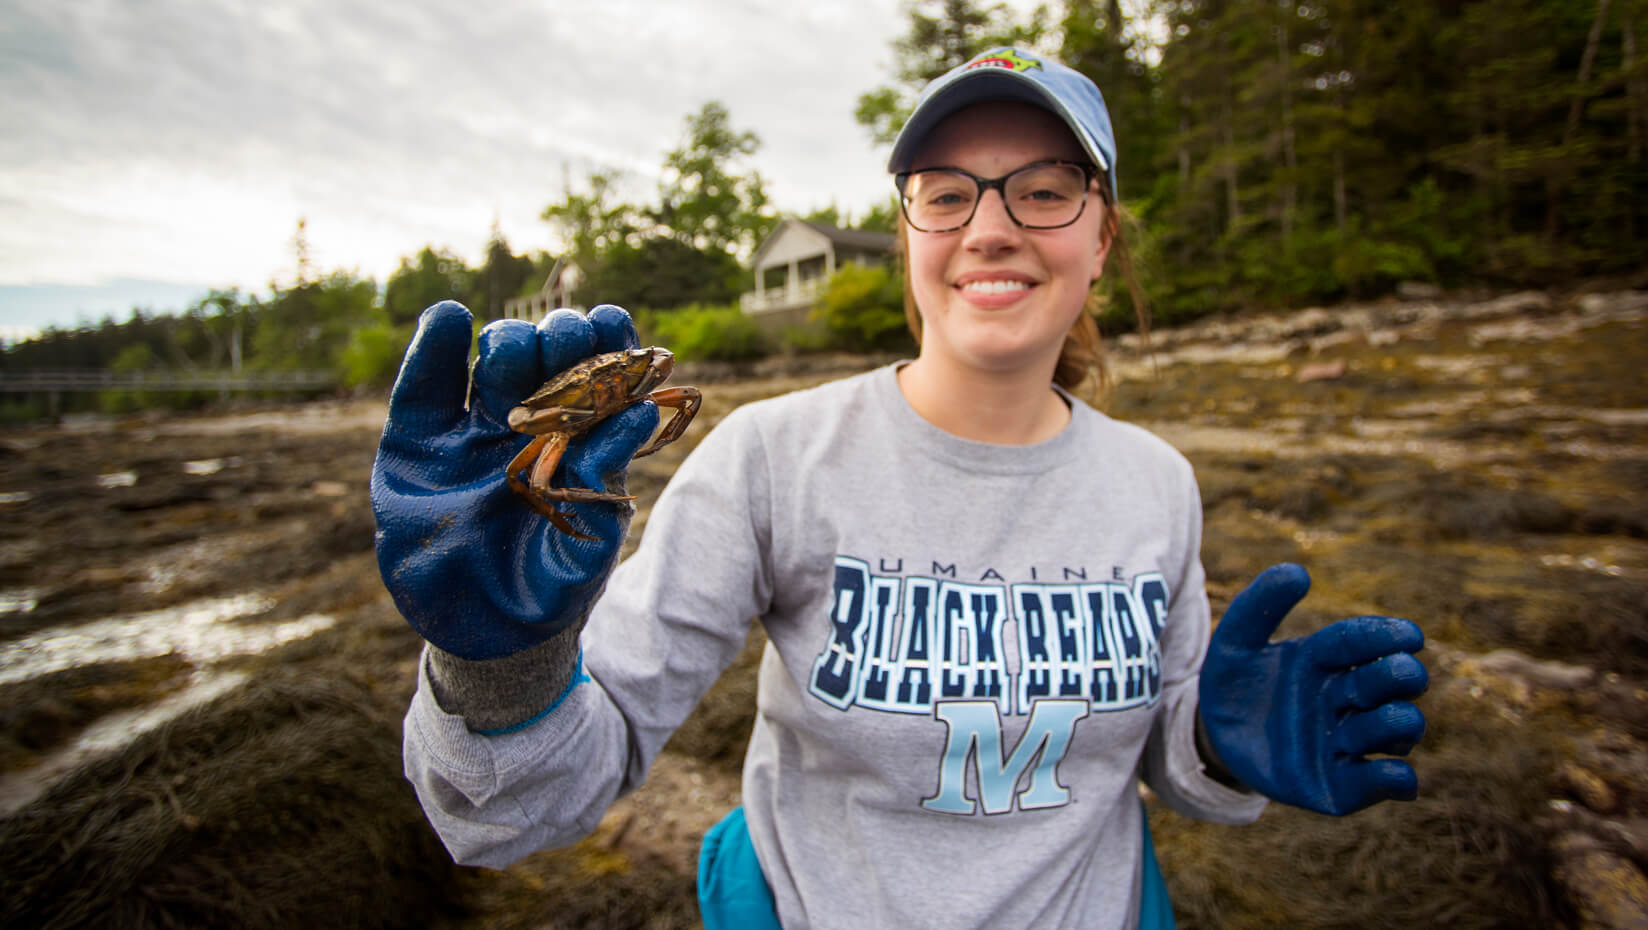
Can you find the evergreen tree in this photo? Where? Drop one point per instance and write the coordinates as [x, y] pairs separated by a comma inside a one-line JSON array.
[[593, 223], [432, 277], [942, 34], [502, 275], [1096, 40], [708, 200]]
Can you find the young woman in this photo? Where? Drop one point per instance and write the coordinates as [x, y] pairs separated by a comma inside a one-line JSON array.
[[984, 599]]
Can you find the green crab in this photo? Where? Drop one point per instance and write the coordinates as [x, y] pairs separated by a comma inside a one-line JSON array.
[[572, 402]]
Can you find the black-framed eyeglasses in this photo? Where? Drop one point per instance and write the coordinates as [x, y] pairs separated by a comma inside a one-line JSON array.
[[1041, 195]]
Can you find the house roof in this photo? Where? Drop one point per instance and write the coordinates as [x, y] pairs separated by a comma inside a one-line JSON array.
[[863, 240], [856, 238]]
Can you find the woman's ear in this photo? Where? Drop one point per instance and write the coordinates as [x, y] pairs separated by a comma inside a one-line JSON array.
[[1107, 235]]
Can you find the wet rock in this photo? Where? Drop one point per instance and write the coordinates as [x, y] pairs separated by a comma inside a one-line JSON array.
[[1315, 321], [1587, 787], [1623, 303], [1626, 835], [1321, 371], [1541, 673], [1518, 304], [1605, 888], [1633, 832]]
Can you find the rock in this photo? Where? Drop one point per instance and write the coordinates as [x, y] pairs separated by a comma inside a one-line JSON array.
[[1607, 891], [1321, 371], [1633, 831], [1537, 672], [1518, 304], [1623, 303], [1418, 290], [1628, 835], [1588, 787]]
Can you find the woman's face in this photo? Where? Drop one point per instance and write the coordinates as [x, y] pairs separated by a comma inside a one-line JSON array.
[[994, 296]]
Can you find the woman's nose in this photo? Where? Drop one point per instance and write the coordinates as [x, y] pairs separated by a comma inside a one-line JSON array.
[[992, 229]]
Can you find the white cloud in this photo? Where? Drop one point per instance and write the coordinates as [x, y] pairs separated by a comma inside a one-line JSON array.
[[181, 141]]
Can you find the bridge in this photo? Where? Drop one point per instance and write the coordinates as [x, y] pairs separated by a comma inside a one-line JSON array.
[[54, 380]]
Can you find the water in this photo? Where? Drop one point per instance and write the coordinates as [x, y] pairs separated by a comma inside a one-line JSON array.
[[203, 632], [203, 467], [198, 632], [18, 789], [19, 600], [117, 479]]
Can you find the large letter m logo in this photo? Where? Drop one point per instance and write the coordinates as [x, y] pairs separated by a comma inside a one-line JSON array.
[[975, 734]]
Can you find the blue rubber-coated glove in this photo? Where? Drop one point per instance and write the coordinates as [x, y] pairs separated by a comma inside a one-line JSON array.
[[475, 570], [1296, 720]]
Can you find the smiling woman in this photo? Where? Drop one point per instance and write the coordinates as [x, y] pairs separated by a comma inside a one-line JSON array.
[[984, 600], [999, 290]]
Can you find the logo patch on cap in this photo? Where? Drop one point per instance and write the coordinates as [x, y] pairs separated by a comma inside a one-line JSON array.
[[1008, 58]]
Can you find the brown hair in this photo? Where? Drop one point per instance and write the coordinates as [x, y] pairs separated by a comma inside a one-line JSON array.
[[1081, 368]]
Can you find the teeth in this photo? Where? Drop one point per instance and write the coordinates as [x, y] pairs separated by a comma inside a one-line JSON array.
[[995, 287]]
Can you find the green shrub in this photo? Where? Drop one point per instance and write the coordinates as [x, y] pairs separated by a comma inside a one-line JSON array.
[[863, 308], [22, 408], [134, 358], [373, 355], [805, 338], [704, 333]]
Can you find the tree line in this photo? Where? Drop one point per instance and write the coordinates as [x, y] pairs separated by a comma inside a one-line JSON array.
[[1271, 152], [1293, 151], [679, 251]]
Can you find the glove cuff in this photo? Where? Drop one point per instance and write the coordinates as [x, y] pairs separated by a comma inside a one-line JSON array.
[[1211, 764], [499, 695]]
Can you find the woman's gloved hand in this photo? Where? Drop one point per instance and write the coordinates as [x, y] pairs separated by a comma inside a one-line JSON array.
[[1296, 720], [475, 570]]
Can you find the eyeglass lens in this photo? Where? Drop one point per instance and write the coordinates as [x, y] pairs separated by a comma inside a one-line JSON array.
[[1038, 196]]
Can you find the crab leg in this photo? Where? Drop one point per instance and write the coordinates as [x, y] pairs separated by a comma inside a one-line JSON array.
[[528, 453], [554, 446], [685, 400], [534, 454], [543, 454]]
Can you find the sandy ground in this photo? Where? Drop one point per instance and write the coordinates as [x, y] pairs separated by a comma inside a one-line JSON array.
[[1477, 465]]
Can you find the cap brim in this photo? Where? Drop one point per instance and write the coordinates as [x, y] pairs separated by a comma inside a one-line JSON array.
[[988, 85]]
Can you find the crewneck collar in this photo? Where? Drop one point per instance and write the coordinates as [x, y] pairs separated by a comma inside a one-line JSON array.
[[970, 454]]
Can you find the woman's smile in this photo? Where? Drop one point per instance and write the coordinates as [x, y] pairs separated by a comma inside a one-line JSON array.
[[991, 291]]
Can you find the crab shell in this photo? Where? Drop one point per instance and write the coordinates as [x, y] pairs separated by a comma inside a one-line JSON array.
[[592, 390]]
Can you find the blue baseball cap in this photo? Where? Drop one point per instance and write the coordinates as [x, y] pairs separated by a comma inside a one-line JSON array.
[[1009, 74]]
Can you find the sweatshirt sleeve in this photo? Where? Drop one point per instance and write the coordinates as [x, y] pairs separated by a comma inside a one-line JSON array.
[[672, 618], [1172, 766]]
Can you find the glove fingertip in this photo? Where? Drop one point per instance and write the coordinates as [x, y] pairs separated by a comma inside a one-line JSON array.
[[506, 366], [1259, 608], [1394, 780], [1364, 784], [1406, 719], [429, 389], [614, 329], [1411, 635], [1410, 674], [565, 337]]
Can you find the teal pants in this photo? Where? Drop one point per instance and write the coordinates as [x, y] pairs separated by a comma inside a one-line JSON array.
[[733, 894]]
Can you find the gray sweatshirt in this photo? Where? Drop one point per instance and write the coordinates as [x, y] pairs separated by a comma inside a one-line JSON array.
[[976, 652]]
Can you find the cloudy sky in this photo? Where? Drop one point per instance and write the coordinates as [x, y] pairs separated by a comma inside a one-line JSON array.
[[157, 148]]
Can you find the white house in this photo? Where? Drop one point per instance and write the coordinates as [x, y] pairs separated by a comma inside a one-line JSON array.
[[793, 265], [558, 291]]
